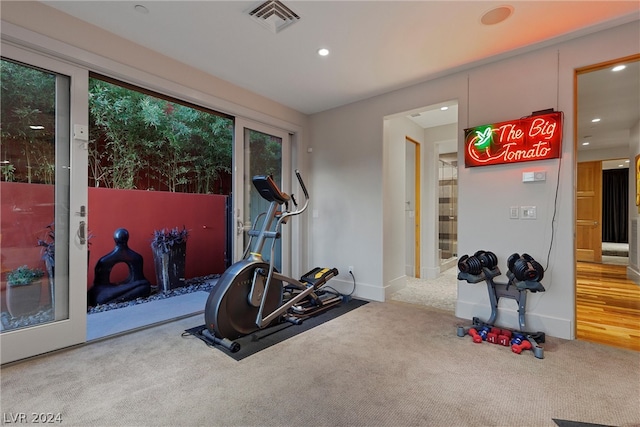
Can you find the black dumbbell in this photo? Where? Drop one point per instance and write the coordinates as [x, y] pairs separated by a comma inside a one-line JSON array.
[[536, 266], [525, 268], [487, 259], [470, 265], [511, 261]]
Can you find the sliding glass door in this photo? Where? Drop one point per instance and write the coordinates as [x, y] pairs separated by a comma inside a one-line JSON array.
[[262, 151], [43, 193]]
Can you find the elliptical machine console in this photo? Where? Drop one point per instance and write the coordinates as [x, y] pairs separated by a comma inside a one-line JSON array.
[[251, 294]]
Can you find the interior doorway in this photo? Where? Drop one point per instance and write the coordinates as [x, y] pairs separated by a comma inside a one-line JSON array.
[[412, 208], [428, 138], [616, 199], [448, 209], [602, 233], [607, 121]]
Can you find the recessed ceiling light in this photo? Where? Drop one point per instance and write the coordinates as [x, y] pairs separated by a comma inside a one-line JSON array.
[[445, 108], [323, 51], [585, 143], [620, 166], [626, 161], [36, 127], [596, 120], [619, 68], [497, 15], [141, 9]]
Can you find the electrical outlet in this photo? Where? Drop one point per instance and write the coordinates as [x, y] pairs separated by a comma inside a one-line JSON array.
[[351, 269], [528, 212]]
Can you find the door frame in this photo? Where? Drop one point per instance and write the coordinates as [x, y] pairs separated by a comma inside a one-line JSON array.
[[43, 338], [417, 214], [241, 125], [577, 72]]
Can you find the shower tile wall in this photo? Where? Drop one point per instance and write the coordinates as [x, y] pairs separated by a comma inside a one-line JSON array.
[[448, 211]]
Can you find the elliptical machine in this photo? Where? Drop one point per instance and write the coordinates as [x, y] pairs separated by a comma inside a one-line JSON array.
[[251, 294]]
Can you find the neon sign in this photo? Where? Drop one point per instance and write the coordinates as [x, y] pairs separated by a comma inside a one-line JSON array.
[[523, 140]]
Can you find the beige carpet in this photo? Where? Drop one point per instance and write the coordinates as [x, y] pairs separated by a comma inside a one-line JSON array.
[[383, 364], [440, 292]]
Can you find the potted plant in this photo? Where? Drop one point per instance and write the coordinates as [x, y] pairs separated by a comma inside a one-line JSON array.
[[48, 245], [23, 290], [169, 255]]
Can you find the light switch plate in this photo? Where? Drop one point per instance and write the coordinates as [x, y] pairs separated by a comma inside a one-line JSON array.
[[528, 176], [514, 212], [528, 212]]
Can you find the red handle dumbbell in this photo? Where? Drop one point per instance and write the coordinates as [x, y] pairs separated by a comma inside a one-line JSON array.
[[492, 336], [475, 335], [504, 337], [517, 348]]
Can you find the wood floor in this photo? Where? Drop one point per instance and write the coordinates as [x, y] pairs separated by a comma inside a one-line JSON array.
[[607, 306]]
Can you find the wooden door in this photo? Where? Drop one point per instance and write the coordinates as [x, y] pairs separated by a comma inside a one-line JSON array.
[[589, 212]]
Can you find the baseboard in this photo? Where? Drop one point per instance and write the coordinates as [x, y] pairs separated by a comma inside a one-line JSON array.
[[394, 286], [430, 272], [451, 262], [363, 291], [633, 274], [370, 292], [508, 318]]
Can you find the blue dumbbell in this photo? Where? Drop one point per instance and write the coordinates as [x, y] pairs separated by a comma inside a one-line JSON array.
[[517, 339]]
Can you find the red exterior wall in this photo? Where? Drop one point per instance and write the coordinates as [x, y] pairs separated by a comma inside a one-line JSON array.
[[142, 212], [27, 209]]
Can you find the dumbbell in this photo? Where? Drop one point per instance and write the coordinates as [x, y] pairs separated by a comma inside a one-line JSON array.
[[475, 336], [470, 265], [492, 336], [539, 271], [525, 268], [483, 332], [517, 348], [504, 338], [517, 338], [487, 259]]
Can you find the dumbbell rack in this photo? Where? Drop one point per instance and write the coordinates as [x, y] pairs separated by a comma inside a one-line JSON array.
[[514, 289]]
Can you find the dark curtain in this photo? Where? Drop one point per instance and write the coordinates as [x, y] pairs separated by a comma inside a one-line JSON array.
[[615, 205]]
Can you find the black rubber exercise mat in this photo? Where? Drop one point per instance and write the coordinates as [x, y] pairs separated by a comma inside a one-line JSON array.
[[567, 423], [265, 338]]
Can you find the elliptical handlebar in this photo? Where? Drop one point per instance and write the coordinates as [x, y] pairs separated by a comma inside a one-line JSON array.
[[306, 197], [304, 188]]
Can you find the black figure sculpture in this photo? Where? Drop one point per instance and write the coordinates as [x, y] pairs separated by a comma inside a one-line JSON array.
[[135, 286]]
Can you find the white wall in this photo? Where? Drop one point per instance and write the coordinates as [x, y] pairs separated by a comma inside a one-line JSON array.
[[603, 154], [356, 171]]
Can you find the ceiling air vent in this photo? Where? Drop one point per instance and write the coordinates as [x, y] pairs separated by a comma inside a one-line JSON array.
[[274, 15]]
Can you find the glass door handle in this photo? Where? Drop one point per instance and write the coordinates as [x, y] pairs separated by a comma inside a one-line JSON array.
[[82, 233]]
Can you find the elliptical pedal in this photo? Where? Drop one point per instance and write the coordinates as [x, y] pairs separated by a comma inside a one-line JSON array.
[[319, 276], [313, 306], [317, 301]]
